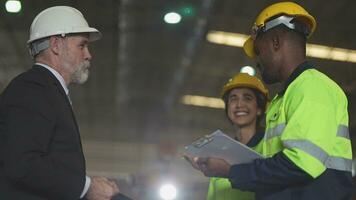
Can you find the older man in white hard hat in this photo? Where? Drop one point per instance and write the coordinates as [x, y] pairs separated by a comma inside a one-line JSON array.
[[41, 154]]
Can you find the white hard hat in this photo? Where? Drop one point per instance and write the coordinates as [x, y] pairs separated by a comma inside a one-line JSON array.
[[60, 20]]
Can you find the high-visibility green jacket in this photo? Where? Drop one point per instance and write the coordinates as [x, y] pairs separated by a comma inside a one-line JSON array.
[[220, 189], [309, 123], [306, 144]]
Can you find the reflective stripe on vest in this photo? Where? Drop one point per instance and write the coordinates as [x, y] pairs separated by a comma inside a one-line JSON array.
[[330, 162]]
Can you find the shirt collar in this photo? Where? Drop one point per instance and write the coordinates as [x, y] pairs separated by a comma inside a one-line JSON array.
[[57, 75], [255, 139], [300, 69]]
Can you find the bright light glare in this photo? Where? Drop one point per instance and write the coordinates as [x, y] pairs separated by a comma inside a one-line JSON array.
[[313, 50], [13, 6], [230, 39], [248, 70], [172, 18], [168, 192], [203, 101]]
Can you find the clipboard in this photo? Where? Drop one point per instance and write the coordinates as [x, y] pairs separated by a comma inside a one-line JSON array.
[[220, 145]]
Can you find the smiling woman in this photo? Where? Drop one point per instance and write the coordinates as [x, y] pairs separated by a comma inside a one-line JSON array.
[[245, 100]]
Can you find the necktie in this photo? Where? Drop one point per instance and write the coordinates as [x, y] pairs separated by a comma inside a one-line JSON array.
[[70, 101]]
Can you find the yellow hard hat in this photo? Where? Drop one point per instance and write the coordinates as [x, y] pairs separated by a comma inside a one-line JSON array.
[[245, 80], [290, 9]]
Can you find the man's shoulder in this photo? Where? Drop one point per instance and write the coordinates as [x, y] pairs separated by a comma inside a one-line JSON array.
[[29, 92], [35, 74], [316, 86], [36, 77], [313, 79], [34, 80], [317, 76]]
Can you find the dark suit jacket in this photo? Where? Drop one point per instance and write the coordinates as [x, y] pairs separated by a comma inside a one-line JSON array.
[[40, 149]]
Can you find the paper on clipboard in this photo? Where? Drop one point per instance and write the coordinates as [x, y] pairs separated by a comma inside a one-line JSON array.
[[220, 145]]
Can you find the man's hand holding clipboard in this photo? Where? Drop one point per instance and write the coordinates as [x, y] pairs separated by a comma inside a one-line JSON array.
[[215, 153], [210, 166]]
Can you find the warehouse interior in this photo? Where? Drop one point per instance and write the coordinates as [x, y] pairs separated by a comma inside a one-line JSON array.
[[133, 117]]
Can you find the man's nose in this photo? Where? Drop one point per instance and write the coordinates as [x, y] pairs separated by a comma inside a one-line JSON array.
[[87, 54]]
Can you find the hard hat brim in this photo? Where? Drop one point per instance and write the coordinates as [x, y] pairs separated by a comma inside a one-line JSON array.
[[244, 85], [242, 80], [94, 34], [249, 47]]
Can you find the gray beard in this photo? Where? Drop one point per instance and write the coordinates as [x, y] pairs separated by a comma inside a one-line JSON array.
[[81, 73]]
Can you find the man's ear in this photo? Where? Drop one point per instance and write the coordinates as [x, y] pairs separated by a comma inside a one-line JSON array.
[[54, 45], [276, 42]]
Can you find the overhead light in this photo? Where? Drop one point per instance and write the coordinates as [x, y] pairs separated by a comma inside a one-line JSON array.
[[332, 53], [13, 6], [313, 50], [168, 192], [225, 38], [248, 70], [203, 101], [172, 18]]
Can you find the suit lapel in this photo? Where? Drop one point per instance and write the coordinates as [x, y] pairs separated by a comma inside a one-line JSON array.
[[54, 82]]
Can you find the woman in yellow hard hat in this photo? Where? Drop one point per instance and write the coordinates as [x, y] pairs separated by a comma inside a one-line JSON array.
[[245, 100]]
